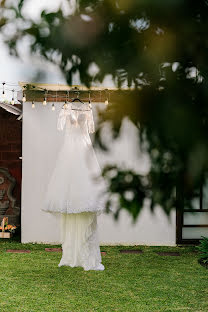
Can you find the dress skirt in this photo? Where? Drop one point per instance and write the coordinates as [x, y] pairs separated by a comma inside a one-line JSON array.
[[75, 184]]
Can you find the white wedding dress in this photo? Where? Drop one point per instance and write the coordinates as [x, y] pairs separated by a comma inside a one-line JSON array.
[[76, 190]]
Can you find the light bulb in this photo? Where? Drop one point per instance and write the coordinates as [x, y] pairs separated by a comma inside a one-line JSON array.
[[106, 102], [44, 102], [53, 107], [33, 104], [65, 105], [24, 98], [12, 101], [3, 93]]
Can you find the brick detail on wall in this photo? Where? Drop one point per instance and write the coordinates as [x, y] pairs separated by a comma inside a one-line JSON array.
[[11, 147], [5, 147], [10, 156]]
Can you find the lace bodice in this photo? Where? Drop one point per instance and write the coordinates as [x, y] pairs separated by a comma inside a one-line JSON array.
[[76, 184], [76, 117]]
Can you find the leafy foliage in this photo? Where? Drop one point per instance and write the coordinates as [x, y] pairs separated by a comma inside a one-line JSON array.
[[122, 185], [160, 49], [203, 248]]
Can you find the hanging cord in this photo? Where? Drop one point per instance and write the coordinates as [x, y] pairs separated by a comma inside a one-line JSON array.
[[100, 97]]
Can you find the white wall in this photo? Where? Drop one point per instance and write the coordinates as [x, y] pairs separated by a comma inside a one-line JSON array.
[[41, 142]]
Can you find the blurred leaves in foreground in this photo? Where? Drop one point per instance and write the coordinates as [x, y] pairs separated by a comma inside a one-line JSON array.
[[158, 48]]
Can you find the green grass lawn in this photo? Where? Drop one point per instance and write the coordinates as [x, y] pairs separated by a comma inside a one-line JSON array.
[[130, 282]]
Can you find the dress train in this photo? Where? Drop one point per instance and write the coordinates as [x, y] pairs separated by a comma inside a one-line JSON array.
[[80, 245]]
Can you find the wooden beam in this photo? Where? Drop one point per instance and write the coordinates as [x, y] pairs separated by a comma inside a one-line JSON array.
[[60, 93], [62, 87]]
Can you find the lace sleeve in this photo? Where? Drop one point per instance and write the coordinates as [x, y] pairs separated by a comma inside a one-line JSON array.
[[90, 120], [62, 118]]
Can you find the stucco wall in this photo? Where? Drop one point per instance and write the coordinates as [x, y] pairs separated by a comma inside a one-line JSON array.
[[41, 142]]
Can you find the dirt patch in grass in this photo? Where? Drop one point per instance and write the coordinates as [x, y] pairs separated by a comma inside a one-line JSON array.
[[131, 251], [168, 253], [53, 249], [18, 250]]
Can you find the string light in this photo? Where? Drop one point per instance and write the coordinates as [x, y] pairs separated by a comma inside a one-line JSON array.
[[24, 97], [48, 93], [89, 98], [3, 92], [12, 101], [5, 88], [65, 105], [44, 101], [90, 105], [106, 101]]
